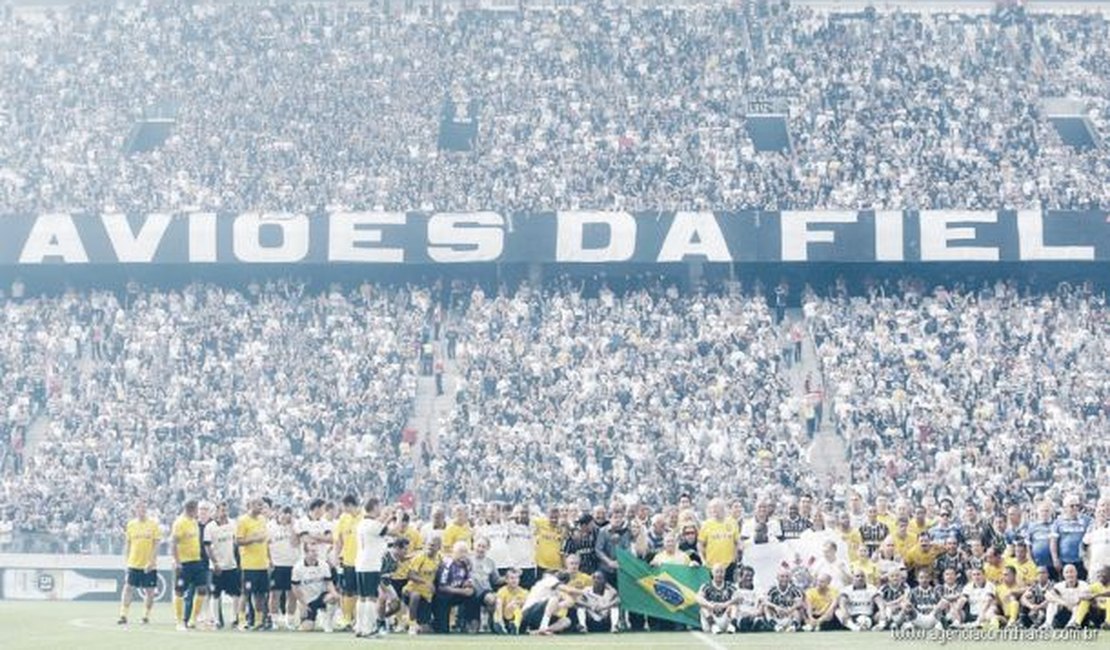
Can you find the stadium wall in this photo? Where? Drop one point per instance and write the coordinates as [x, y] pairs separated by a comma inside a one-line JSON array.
[[565, 237]]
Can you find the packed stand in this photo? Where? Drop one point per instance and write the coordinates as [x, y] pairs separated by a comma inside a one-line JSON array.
[[167, 393], [969, 392], [642, 395], [306, 106]]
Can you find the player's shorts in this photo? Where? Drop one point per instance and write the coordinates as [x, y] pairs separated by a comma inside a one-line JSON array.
[[532, 617], [830, 625], [281, 578], [314, 608], [190, 575], [348, 580], [227, 582], [256, 582], [593, 625], [398, 585], [141, 579], [368, 582]]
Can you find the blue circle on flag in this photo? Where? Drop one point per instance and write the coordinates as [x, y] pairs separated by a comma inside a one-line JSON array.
[[668, 593]]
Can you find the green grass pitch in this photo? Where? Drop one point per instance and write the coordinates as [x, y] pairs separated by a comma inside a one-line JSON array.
[[92, 626]]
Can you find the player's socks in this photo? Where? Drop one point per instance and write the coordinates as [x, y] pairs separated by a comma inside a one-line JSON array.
[[348, 604], [179, 608], [146, 612], [371, 617], [198, 604]]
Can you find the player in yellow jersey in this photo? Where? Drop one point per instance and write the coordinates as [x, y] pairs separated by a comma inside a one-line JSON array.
[[140, 551], [510, 604], [1100, 599], [1008, 592], [254, 560], [549, 534], [190, 573], [718, 539], [1025, 567], [459, 529], [421, 585], [346, 546]]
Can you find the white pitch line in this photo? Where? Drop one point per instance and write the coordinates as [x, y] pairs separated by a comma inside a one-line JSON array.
[[708, 641], [317, 638]]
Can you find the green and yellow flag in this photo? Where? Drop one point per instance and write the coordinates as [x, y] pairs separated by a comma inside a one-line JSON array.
[[668, 592]]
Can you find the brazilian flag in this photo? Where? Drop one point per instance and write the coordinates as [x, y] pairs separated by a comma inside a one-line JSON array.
[[667, 592]]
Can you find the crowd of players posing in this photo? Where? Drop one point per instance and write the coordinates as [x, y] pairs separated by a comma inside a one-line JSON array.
[[370, 569]]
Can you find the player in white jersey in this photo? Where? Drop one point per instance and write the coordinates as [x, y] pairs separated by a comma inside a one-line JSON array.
[[284, 552], [315, 530], [977, 601], [1068, 601], [858, 603], [496, 531], [748, 605], [522, 545], [372, 546], [599, 606], [314, 591], [219, 536]]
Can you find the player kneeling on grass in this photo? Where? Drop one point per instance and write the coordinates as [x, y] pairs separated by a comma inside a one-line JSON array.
[[926, 605], [599, 607], [821, 605], [950, 593], [510, 604], [785, 605], [1007, 594], [1068, 602], [858, 604], [715, 599], [389, 596], [1100, 600], [894, 601], [748, 605], [545, 609], [1034, 602], [420, 589], [316, 596], [978, 602]]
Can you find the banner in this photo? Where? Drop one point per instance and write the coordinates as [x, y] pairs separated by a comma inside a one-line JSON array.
[[71, 584], [798, 556], [565, 237], [668, 593]]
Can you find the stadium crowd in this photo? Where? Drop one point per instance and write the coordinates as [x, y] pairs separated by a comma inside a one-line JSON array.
[[301, 106], [643, 395], [168, 393], [963, 394]]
